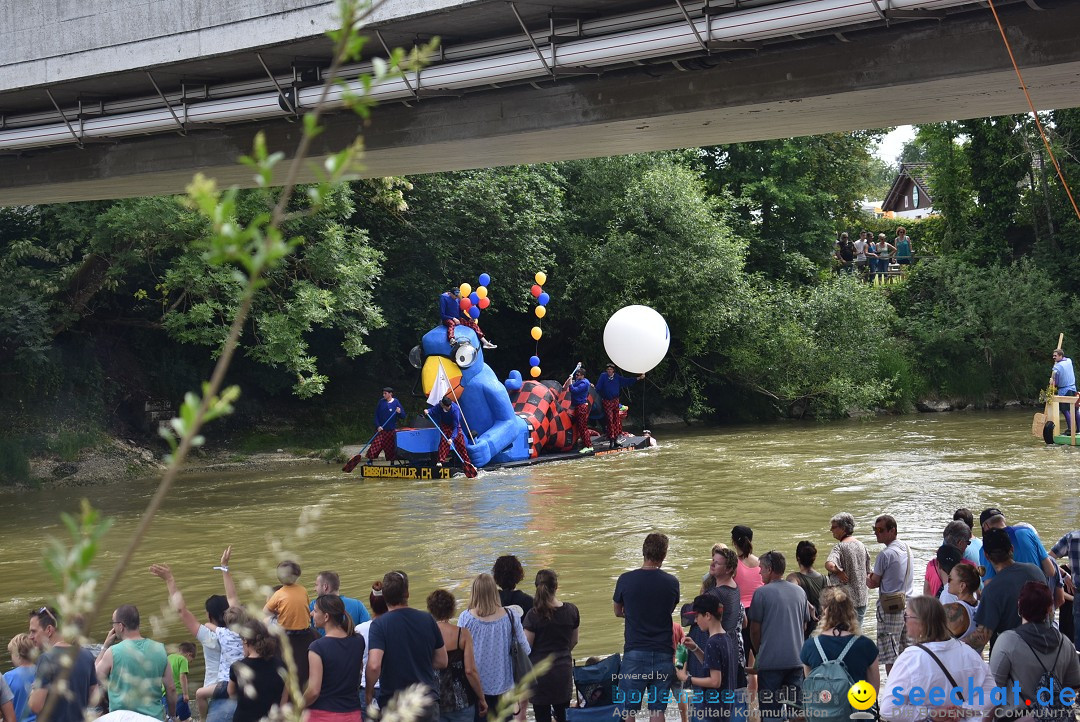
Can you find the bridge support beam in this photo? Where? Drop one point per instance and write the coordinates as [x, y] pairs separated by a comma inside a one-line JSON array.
[[907, 73]]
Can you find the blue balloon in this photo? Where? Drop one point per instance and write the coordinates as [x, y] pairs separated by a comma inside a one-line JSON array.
[[534, 361], [474, 298], [474, 311], [543, 299], [484, 279]]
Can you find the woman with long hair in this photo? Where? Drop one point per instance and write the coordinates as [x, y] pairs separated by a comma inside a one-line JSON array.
[[492, 627], [551, 627], [461, 694], [935, 659], [838, 625], [748, 579], [1021, 655], [335, 664], [810, 580], [257, 682]]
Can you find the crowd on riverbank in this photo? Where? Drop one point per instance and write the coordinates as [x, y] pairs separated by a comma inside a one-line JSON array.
[[761, 637]]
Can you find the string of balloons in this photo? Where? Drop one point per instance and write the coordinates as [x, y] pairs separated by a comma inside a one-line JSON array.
[[542, 300]]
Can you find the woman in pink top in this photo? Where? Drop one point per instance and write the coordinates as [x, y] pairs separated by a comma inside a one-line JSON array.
[[747, 578]]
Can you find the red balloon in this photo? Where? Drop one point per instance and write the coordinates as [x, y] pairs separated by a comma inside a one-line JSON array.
[[465, 303], [484, 302], [536, 290]]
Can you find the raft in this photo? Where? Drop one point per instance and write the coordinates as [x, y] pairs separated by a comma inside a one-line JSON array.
[[422, 467]]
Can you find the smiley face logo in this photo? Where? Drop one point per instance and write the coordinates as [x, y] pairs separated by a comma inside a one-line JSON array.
[[862, 695]]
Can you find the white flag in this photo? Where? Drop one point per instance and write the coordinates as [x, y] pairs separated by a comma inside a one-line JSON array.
[[440, 388]]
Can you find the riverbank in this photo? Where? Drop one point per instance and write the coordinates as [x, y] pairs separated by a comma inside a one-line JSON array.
[[117, 459]]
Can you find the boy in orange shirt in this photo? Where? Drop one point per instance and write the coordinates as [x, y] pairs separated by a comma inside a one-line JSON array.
[[290, 605]]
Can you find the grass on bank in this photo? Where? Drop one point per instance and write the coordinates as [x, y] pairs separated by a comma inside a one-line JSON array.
[[65, 444]]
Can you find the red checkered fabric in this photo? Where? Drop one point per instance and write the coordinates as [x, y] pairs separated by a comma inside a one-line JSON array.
[[614, 418], [385, 440], [450, 330], [581, 424], [459, 444]]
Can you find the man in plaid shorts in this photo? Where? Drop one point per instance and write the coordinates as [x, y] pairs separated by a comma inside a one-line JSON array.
[[892, 577], [447, 415], [608, 387], [387, 413], [579, 402]]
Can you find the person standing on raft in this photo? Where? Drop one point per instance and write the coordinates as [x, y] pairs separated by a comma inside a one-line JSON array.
[[1063, 377], [451, 314], [387, 413], [608, 387], [579, 402], [447, 415]]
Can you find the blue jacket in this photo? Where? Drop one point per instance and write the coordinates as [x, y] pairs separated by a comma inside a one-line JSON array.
[[450, 418], [449, 306], [609, 388], [387, 415], [579, 392]]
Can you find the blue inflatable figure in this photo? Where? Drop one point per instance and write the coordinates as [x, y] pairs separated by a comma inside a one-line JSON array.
[[498, 433]]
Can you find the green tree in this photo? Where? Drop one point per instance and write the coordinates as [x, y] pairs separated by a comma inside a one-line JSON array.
[[950, 178], [983, 332], [792, 196], [649, 233]]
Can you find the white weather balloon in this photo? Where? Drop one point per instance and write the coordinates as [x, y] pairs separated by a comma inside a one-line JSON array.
[[636, 338]]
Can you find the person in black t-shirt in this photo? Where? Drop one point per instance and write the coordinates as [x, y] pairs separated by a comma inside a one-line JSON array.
[[405, 647], [508, 573], [257, 682], [645, 598]]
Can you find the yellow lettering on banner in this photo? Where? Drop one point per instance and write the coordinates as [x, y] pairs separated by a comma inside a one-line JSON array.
[[404, 472]]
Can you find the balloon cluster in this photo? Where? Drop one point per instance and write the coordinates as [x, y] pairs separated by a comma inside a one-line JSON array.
[[542, 300], [472, 302]]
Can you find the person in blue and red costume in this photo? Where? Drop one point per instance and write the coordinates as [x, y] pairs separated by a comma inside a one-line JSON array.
[[608, 387], [387, 413], [452, 314], [579, 402], [448, 417]]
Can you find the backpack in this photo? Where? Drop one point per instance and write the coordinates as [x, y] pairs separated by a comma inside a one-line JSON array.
[[825, 689], [1047, 680]]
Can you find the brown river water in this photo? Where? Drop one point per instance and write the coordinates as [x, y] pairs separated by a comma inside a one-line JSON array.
[[586, 519]]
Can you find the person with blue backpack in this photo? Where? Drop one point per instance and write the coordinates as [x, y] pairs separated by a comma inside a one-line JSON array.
[[836, 658]]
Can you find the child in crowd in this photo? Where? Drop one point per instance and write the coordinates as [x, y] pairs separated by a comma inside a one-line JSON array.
[[290, 602], [179, 662], [21, 678], [715, 692], [290, 605]]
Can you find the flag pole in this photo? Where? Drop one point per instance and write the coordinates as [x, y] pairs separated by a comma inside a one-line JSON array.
[[442, 373]]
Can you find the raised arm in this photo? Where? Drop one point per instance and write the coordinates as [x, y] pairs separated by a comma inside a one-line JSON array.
[[227, 580], [176, 599]]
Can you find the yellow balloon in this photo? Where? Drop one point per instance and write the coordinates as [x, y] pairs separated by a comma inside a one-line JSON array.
[[536, 333], [534, 372], [481, 291], [465, 289], [540, 311], [541, 277]]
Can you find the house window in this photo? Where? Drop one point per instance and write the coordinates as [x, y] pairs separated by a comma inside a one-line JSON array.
[[907, 202]]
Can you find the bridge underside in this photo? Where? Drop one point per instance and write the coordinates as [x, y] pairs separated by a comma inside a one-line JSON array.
[[908, 73]]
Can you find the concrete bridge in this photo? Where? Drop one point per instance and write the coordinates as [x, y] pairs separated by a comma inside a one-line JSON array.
[[112, 98]]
